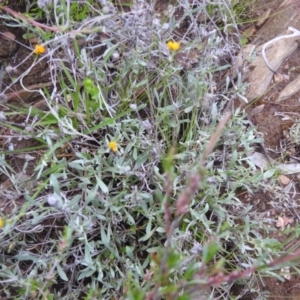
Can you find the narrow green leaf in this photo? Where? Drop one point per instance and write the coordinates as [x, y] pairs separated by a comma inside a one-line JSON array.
[[209, 251], [61, 273], [102, 185]]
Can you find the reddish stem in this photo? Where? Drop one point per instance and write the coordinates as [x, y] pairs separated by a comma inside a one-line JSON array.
[[37, 24]]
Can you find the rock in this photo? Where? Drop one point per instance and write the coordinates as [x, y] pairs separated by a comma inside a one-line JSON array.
[[291, 89], [7, 44], [284, 179], [260, 76]]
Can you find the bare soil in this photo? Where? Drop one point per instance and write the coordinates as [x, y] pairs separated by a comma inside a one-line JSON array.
[[274, 122]]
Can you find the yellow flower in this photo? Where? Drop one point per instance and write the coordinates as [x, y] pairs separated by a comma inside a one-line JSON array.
[[1, 222], [39, 49], [113, 146], [173, 46]]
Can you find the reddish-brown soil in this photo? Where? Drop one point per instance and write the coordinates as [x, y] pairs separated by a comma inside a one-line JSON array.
[[270, 121], [273, 121]]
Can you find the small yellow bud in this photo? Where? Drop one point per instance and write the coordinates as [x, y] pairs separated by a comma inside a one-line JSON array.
[[1, 222], [173, 46], [113, 146], [39, 49]]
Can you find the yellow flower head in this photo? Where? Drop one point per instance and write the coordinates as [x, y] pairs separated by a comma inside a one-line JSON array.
[[113, 146], [39, 49], [173, 46], [1, 222]]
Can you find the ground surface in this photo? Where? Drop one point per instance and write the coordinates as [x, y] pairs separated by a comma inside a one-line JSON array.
[[273, 123], [274, 120]]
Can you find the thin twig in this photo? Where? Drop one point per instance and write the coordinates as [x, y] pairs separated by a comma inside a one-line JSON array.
[[234, 275], [295, 33], [37, 24]]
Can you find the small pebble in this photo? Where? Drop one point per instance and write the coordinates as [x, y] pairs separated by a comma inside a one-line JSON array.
[[284, 179]]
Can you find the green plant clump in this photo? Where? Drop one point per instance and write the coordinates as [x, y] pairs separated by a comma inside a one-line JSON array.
[[123, 191]]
